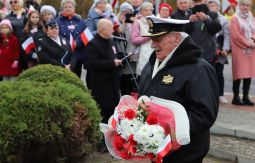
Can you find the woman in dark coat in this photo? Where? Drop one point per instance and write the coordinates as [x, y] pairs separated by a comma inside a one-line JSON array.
[[54, 49]]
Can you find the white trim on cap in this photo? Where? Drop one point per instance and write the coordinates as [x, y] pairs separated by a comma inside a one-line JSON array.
[[167, 20]]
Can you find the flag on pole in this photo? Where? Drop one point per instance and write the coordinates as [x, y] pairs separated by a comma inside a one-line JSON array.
[[86, 36], [114, 3], [71, 41], [28, 45]]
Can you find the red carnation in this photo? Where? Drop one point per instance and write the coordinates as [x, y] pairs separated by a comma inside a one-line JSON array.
[[130, 114], [152, 119], [131, 140], [118, 141], [125, 155]]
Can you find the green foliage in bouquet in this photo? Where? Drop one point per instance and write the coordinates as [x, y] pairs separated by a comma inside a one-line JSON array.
[[46, 122], [47, 73]]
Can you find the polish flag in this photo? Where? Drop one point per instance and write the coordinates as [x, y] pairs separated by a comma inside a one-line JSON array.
[[28, 45], [86, 36], [71, 41]]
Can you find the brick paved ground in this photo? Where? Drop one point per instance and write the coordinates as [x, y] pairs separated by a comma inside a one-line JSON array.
[[106, 158], [236, 147]]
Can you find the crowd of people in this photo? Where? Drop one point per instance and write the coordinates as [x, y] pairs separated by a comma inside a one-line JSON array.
[[131, 54]]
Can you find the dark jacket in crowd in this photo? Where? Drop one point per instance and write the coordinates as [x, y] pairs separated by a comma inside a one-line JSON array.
[[17, 23], [204, 35], [195, 87], [103, 75], [50, 52], [182, 15]]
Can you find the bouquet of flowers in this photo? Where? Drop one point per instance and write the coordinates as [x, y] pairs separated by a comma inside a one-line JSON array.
[[149, 128]]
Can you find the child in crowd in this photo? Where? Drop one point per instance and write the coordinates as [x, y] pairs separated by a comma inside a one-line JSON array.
[[35, 28], [9, 51]]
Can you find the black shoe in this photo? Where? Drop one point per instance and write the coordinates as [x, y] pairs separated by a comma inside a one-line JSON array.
[[248, 102], [237, 101]]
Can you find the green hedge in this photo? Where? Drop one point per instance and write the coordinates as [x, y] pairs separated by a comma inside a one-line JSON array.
[[46, 121], [47, 73]]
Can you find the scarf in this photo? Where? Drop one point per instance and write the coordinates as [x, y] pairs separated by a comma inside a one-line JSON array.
[[246, 22], [68, 16]]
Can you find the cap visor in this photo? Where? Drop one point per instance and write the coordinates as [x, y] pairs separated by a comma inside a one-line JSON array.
[[155, 35]]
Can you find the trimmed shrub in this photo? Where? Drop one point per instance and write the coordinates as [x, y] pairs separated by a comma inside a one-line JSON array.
[[46, 122], [47, 73]]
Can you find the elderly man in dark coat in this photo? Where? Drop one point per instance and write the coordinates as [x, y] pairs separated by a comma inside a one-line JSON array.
[[177, 72], [102, 69]]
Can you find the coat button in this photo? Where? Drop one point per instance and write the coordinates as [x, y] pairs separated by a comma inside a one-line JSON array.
[[154, 92]]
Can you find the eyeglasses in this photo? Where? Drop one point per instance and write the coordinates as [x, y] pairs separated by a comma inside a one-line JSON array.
[[13, 2]]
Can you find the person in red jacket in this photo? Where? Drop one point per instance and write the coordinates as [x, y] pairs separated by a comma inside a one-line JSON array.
[[9, 51]]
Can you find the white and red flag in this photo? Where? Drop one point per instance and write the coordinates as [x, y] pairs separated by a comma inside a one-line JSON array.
[[28, 45], [71, 41], [30, 9], [86, 36]]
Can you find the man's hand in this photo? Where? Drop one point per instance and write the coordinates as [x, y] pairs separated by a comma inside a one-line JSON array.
[[201, 16], [117, 62], [193, 18]]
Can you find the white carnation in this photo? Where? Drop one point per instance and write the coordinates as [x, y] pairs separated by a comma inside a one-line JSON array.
[[127, 127], [150, 136]]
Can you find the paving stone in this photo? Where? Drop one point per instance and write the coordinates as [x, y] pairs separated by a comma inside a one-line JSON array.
[[232, 148]]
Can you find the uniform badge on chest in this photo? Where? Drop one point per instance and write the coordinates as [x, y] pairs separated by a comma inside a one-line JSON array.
[[168, 79]]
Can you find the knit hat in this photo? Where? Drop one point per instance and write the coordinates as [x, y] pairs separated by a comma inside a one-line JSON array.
[[214, 1], [96, 1], [6, 22], [126, 6], [167, 6], [48, 8]]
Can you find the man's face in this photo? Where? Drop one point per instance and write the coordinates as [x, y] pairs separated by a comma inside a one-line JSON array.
[[108, 30], [165, 44], [183, 5]]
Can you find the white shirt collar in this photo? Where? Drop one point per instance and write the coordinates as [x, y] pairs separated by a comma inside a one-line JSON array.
[[57, 40], [158, 67]]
